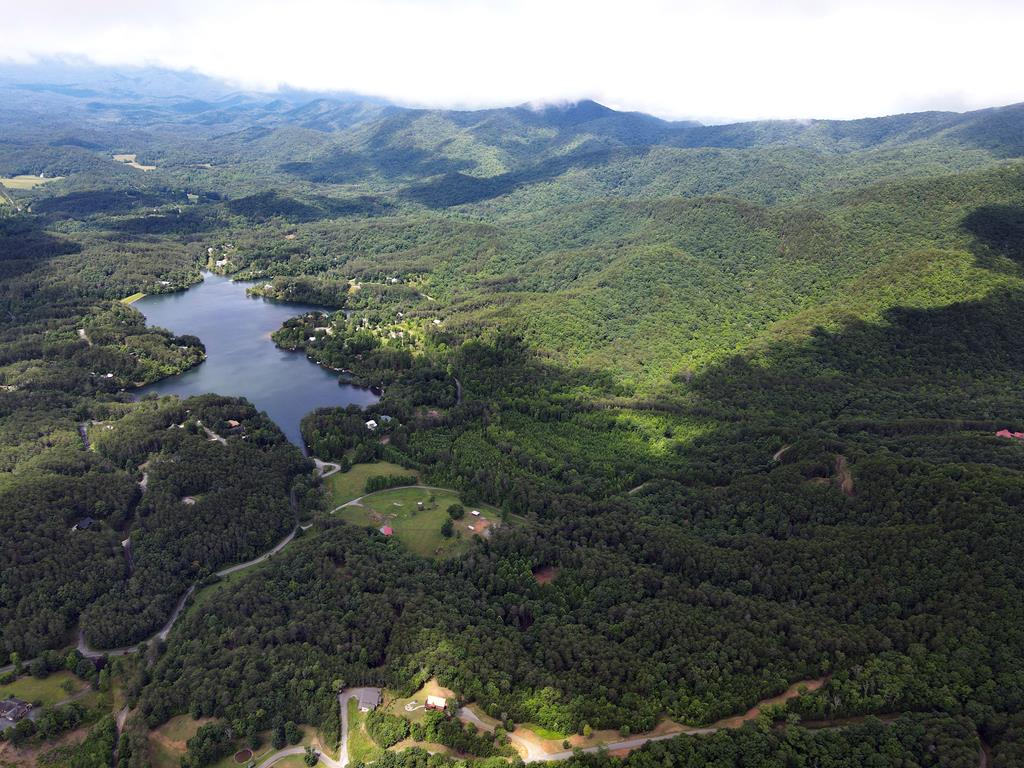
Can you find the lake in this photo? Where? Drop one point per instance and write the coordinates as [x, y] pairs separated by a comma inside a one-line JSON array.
[[241, 359]]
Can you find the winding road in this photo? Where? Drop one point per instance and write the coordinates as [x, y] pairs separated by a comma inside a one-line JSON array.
[[94, 653]]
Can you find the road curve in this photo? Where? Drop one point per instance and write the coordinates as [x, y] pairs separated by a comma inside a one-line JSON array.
[[343, 699], [358, 500], [93, 653]]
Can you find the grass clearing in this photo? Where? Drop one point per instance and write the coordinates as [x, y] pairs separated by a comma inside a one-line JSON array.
[[47, 691], [420, 529], [132, 299], [542, 732], [361, 748], [27, 181], [396, 706], [130, 159], [345, 486]]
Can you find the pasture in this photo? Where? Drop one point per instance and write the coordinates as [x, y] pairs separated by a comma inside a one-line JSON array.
[[345, 486], [27, 181], [419, 529]]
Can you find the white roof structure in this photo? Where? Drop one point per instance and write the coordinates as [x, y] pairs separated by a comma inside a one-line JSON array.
[[438, 702]]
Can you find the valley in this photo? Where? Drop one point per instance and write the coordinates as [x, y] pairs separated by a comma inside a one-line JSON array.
[[618, 432]]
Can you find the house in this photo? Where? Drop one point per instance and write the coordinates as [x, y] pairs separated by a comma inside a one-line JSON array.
[[84, 524], [371, 425], [476, 513], [369, 698], [11, 711], [387, 530], [436, 702]]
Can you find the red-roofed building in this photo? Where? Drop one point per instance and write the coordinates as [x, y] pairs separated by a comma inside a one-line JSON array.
[[386, 530]]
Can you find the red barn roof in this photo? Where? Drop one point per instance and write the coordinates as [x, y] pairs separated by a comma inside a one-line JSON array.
[[386, 530]]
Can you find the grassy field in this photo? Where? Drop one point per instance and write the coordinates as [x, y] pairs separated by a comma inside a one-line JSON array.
[[345, 486], [361, 748], [130, 160], [132, 299], [396, 706], [420, 530], [27, 182], [46, 691]]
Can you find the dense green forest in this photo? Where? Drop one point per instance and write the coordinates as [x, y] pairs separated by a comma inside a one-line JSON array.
[[739, 387]]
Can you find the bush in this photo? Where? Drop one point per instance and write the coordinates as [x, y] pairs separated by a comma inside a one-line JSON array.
[[385, 729]]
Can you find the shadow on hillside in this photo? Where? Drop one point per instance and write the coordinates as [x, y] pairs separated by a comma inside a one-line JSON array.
[[98, 201], [269, 205], [998, 231], [343, 167], [23, 244], [458, 189]]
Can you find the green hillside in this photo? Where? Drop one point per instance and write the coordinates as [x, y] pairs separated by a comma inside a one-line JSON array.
[[737, 386]]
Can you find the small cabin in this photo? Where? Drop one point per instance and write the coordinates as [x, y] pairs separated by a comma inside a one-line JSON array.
[[436, 702], [371, 425], [84, 524]]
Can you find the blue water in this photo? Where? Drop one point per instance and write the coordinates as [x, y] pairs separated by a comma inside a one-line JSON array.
[[240, 357]]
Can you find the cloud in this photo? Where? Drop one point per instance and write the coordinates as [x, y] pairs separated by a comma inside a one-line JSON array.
[[732, 59]]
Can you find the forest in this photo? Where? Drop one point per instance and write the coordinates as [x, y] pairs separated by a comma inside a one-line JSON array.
[[740, 387]]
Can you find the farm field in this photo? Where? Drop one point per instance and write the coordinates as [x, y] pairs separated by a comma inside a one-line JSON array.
[[46, 691], [345, 486], [27, 181], [420, 530]]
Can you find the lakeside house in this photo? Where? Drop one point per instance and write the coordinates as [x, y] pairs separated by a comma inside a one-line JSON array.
[[369, 698]]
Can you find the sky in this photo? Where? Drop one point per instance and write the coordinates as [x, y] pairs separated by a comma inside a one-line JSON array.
[[713, 61]]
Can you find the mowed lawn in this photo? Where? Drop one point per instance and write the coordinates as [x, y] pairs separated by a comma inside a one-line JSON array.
[[420, 530], [361, 748], [345, 486], [46, 691]]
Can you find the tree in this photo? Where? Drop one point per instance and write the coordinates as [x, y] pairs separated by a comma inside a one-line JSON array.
[[447, 528], [311, 756], [292, 733], [456, 511], [278, 740]]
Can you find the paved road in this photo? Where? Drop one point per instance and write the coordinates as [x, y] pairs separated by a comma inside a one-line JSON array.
[[397, 487], [343, 699], [92, 653], [326, 468], [342, 761]]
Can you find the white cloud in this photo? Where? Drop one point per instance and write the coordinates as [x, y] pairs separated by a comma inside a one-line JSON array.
[[732, 59]]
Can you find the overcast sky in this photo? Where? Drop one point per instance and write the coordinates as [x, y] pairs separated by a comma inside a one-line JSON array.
[[715, 60]]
